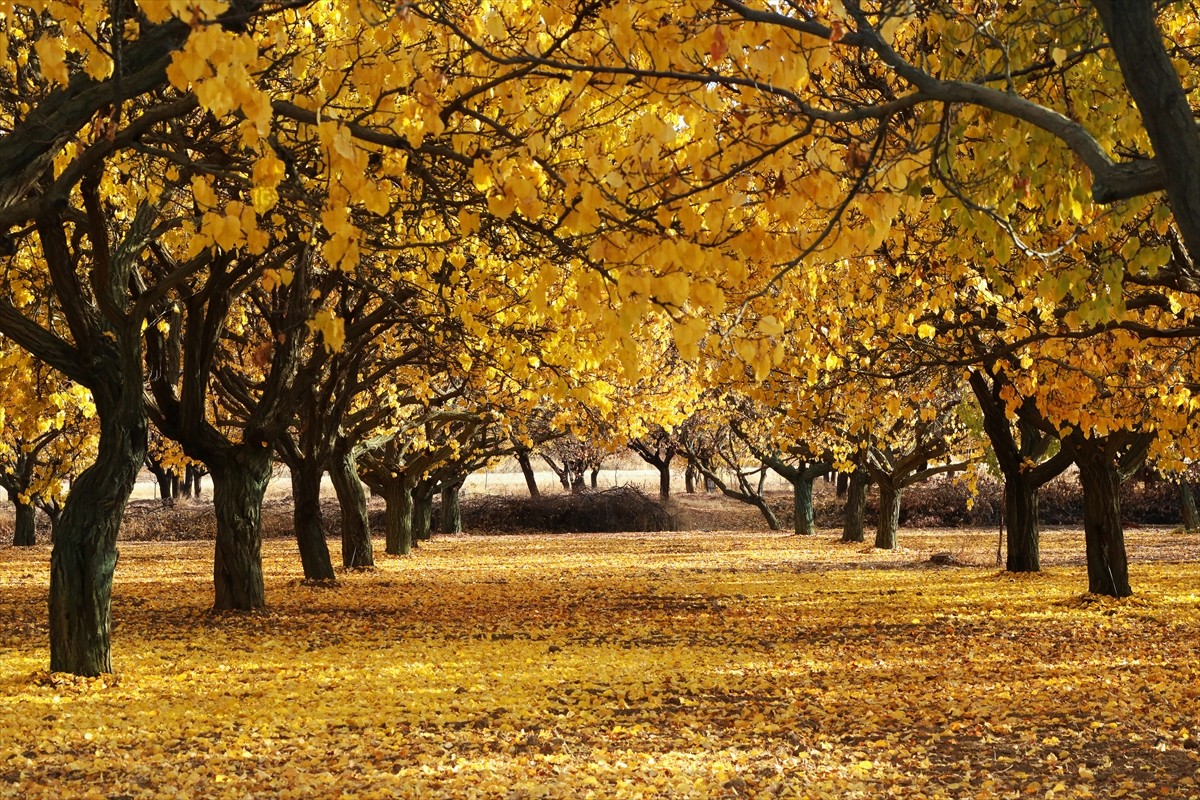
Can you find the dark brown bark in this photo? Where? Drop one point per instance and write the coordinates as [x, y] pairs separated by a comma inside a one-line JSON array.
[[802, 500], [398, 516], [357, 549], [422, 514], [1021, 521], [240, 478], [451, 509], [889, 516], [527, 471], [25, 524], [1108, 566], [689, 479], [1152, 80], [84, 556], [307, 522], [856, 506], [1187, 507]]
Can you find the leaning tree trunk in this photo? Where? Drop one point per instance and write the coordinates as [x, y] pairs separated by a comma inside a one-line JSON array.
[[357, 550], [239, 480], [398, 517], [802, 493], [84, 556], [1187, 507], [856, 506], [25, 524], [889, 516], [306, 520], [1108, 567], [1021, 519], [451, 509], [527, 471]]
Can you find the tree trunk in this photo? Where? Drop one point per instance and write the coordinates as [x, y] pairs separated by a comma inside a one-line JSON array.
[[398, 517], [889, 516], [856, 506], [84, 556], [422, 515], [1021, 520], [25, 525], [1187, 507], [1108, 568], [307, 522], [664, 481], [240, 480], [689, 479], [451, 509], [357, 550], [596, 478], [802, 490], [527, 471], [842, 484]]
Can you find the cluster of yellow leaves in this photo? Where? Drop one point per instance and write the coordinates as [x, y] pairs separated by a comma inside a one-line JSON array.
[[665, 665]]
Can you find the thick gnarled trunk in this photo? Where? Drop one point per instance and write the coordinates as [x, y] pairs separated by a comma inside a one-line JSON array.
[[307, 523], [239, 481], [84, 556]]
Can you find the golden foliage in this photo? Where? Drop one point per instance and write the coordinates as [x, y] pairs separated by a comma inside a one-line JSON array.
[[673, 665]]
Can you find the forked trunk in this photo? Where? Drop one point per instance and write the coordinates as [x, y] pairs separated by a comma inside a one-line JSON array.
[[856, 506], [307, 522], [889, 516], [85, 546], [357, 550], [1021, 520], [239, 480]]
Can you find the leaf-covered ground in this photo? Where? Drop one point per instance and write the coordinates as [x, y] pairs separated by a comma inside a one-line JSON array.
[[653, 665]]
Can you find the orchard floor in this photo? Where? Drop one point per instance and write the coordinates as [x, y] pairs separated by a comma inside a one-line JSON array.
[[696, 664]]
